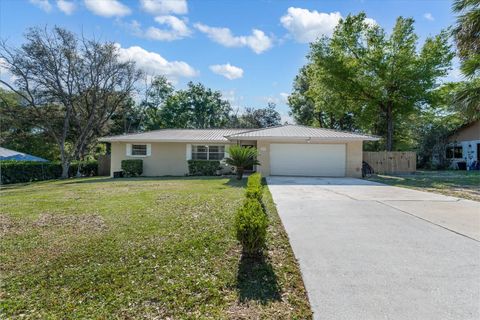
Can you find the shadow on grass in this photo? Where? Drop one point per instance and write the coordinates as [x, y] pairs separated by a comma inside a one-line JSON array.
[[256, 280]]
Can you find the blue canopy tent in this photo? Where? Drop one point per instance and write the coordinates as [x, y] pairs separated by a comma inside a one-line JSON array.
[[7, 154]]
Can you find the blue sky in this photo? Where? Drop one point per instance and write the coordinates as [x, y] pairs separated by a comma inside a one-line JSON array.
[[249, 50]]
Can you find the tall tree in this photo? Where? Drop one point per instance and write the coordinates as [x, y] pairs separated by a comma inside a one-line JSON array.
[[363, 75], [71, 86], [467, 38], [193, 107], [258, 118]]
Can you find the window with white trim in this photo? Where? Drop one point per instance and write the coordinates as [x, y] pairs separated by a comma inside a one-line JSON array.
[[139, 149], [454, 152], [208, 152]]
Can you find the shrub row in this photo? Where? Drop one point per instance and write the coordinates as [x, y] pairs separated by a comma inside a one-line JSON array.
[[251, 221], [26, 171], [203, 167], [132, 167]]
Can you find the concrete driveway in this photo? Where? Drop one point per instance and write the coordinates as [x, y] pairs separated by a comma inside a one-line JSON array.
[[371, 251]]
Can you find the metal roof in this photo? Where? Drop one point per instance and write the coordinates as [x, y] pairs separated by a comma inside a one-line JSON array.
[[7, 154], [177, 135], [292, 132], [285, 132]]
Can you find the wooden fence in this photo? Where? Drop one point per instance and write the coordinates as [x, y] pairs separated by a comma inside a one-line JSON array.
[[391, 162], [104, 165]]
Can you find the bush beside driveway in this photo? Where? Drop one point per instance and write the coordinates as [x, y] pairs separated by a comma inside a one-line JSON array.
[[140, 248]]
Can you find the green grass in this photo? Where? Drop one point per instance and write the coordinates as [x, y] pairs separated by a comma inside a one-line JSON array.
[[463, 184], [161, 248]]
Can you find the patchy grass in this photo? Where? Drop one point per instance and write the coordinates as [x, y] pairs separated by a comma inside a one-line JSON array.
[[463, 184], [160, 248]]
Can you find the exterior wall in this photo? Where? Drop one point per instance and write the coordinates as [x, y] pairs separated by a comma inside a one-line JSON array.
[[354, 156], [469, 153], [469, 133], [166, 159]]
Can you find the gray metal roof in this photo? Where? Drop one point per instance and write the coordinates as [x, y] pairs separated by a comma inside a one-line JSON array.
[[177, 135], [7, 154], [285, 132], [292, 132]]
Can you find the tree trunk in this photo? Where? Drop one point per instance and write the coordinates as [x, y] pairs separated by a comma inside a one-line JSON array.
[[65, 167], [65, 162], [240, 173], [389, 118]]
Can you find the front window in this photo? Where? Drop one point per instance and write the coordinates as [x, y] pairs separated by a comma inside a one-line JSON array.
[[454, 152], [202, 152], [139, 149]]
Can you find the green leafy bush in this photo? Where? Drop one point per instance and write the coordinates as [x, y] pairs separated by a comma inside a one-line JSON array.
[[251, 225], [132, 167], [27, 171], [254, 186], [87, 168], [203, 167]]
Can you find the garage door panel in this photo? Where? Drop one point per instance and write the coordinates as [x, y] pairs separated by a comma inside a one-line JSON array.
[[326, 160]]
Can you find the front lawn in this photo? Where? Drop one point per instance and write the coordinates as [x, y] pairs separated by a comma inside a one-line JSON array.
[[463, 184], [160, 248]]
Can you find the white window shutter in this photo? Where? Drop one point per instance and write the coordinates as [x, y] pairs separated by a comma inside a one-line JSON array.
[[149, 149], [129, 149], [189, 152]]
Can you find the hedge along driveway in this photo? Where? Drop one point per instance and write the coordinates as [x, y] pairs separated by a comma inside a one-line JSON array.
[[139, 248]]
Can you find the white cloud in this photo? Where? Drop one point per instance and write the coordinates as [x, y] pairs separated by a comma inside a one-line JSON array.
[[107, 8], [66, 7], [177, 29], [154, 64], [42, 4], [258, 41], [284, 97], [160, 7], [227, 70], [428, 16], [306, 26]]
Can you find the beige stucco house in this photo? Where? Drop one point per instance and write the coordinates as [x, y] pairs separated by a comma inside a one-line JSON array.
[[283, 150]]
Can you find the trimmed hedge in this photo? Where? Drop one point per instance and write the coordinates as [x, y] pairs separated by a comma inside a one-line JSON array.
[[203, 167], [27, 171], [254, 187], [251, 225], [132, 167]]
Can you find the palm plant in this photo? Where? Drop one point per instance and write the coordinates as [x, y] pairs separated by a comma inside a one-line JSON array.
[[241, 158]]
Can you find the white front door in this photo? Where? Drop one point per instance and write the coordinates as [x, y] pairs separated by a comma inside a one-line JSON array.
[[308, 159]]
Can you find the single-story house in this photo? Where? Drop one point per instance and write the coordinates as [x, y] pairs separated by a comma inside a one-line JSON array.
[[463, 145], [283, 150], [7, 154]]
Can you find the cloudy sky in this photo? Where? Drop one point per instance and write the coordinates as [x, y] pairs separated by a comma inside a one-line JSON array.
[[249, 50]]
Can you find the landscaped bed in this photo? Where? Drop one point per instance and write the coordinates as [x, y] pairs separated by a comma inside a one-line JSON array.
[[140, 248], [463, 184]]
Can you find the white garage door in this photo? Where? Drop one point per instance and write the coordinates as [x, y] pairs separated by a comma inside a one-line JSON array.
[[322, 160]]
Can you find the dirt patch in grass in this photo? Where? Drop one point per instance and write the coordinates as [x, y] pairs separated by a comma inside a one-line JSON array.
[[47, 222]]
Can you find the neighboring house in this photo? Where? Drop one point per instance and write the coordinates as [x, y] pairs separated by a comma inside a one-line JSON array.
[[464, 145], [283, 150], [7, 154]]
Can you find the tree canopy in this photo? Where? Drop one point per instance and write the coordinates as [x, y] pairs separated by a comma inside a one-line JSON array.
[[365, 79]]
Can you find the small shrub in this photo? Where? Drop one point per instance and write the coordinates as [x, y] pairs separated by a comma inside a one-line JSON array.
[[26, 171], [203, 167], [254, 187], [132, 167], [251, 225]]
